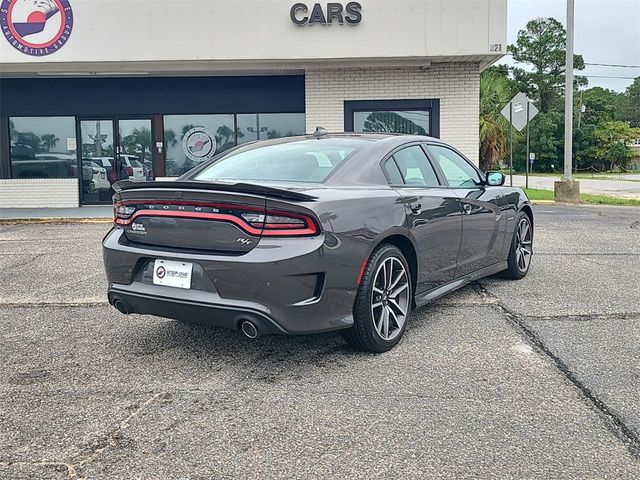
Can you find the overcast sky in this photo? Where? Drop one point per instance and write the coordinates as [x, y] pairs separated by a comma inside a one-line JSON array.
[[606, 31]]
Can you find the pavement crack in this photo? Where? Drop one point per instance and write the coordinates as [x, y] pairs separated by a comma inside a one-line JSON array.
[[586, 317], [111, 440], [614, 421], [53, 304]]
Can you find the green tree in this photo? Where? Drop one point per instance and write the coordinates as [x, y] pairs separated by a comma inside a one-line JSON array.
[[613, 139], [631, 109], [542, 46], [225, 137], [30, 139], [546, 141], [495, 93], [49, 141], [170, 138]]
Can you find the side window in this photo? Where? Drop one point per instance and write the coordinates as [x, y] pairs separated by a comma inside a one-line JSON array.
[[415, 167], [392, 172], [457, 171]]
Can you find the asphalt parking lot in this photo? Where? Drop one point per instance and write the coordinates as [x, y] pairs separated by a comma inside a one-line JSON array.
[[532, 379]]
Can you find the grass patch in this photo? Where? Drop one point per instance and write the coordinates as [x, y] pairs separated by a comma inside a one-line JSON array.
[[538, 194], [582, 175]]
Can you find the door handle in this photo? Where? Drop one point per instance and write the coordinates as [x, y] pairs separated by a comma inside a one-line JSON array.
[[416, 208], [466, 207]]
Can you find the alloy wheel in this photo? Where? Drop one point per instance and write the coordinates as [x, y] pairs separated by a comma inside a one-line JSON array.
[[390, 298], [524, 244]]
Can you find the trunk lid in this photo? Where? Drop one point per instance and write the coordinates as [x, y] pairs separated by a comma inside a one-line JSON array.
[[226, 219]]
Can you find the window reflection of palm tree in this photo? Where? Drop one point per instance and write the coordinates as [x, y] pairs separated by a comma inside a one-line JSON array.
[[391, 122], [49, 141]]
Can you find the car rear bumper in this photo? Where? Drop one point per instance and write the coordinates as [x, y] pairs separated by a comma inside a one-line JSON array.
[[283, 286], [142, 299]]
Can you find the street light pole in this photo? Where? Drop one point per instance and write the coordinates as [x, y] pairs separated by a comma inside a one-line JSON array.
[[568, 94], [568, 190]]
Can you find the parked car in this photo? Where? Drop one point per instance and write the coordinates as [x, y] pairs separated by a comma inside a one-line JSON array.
[[133, 168], [316, 233], [107, 164], [26, 164], [94, 179], [130, 167]]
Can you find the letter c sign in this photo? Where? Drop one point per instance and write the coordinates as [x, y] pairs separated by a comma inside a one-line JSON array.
[[351, 14]]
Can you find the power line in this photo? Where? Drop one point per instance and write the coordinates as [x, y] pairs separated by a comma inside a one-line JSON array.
[[617, 65], [605, 76]]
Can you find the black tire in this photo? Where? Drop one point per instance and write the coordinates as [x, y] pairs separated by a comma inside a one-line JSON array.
[[364, 334], [516, 269]]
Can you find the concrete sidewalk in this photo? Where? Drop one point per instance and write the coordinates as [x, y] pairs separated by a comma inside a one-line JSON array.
[[91, 212], [613, 188]]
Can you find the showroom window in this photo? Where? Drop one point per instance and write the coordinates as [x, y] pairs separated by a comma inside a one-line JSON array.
[[43, 147], [411, 117], [261, 126], [192, 139]]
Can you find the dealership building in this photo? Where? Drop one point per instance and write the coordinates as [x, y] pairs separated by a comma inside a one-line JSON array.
[[93, 91]]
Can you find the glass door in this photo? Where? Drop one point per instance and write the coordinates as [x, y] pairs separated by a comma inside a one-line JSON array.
[[113, 150], [98, 167]]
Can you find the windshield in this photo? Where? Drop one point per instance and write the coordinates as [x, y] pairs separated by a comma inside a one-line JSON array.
[[301, 161]]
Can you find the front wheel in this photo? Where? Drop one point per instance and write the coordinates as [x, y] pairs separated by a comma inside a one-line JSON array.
[[383, 302], [521, 250]]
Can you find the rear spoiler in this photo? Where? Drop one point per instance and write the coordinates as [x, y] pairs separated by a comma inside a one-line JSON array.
[[254, 189]]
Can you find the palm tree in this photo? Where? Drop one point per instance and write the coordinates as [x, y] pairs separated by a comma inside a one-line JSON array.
[[495, 93], [49, 141]]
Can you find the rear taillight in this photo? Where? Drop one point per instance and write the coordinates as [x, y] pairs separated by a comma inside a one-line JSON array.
[[130, 171], [271, 224], [122, 213], [278, 224]]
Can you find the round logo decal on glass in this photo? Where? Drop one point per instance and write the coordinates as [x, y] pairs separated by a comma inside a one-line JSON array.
[[199, 144], [36, 27]]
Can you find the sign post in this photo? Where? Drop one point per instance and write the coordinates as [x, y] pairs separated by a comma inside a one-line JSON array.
[[520, 111], [511, 144], [527, 157]]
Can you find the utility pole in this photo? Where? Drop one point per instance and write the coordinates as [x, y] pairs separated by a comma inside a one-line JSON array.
[[568, 190]]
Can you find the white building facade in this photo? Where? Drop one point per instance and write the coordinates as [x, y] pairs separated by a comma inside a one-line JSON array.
[[92, 91]]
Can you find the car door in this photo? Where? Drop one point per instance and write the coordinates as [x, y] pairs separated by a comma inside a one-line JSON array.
[[483, 219], [433, 214]]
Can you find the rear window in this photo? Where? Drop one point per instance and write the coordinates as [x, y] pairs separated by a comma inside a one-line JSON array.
[[300, 161]]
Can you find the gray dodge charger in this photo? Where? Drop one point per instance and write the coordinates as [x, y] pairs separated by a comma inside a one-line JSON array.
[[316, 233]]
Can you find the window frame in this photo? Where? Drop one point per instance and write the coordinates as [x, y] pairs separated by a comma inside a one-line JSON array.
[[428, 105], [427, 147], [390, 156]]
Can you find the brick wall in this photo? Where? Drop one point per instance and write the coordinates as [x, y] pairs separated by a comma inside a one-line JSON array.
[[456, 85], [39, 193]]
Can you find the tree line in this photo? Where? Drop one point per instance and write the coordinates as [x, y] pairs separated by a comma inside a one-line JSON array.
[[606, 122]]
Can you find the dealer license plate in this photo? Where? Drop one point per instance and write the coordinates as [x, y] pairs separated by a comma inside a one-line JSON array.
[[172, 274]]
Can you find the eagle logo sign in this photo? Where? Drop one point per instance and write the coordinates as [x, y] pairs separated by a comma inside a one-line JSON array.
[[36, 27]]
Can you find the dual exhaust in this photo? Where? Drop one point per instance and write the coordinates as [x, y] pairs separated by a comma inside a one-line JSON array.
[[246, 326]]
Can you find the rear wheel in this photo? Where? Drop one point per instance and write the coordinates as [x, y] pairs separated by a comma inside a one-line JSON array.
[[521, 250], [383, 302]]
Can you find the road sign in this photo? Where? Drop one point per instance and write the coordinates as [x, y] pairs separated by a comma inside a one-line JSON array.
[[516, 111]]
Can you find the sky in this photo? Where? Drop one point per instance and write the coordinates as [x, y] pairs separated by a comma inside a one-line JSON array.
[[606, 31]]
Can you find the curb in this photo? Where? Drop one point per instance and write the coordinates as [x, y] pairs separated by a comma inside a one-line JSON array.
[[542, 202], [55, 220]]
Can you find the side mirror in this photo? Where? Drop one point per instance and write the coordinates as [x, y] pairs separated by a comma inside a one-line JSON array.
[[495, 179]]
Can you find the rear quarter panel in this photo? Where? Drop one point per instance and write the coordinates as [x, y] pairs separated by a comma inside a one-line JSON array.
[[354, 220]]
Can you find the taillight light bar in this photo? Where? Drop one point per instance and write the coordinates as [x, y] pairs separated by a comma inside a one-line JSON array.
[[270, 223]]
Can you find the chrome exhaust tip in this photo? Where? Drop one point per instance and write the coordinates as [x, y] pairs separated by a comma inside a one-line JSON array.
[[249, 329]]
